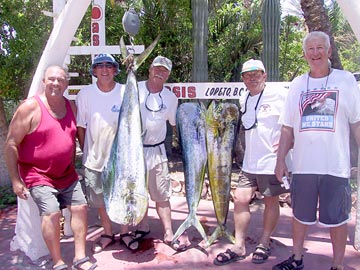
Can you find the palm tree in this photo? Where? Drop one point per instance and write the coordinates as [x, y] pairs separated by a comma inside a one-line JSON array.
[[317, 19]]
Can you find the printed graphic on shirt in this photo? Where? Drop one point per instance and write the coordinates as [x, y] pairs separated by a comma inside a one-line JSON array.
[[266, 108], [318, 110], [115, 108]]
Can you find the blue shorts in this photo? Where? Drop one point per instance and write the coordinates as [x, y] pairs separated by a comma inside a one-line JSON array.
[[332, 194], [50, 200]]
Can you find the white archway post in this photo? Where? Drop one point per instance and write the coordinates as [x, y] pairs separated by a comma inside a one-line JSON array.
[[28, 236], [351, 10]]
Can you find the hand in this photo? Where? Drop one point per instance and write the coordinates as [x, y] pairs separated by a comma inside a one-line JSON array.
[[281, 170], [129, 62], [21, 191]]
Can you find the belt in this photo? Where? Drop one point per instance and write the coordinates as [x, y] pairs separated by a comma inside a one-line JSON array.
[[153, 145]]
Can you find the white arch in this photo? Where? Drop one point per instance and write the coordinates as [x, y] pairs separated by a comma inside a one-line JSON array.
[[60, 39], [351, 10]]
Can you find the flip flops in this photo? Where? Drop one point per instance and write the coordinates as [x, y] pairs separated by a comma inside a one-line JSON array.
[[290, 264], [77, 264], [60, 267], [176, 245], [261, 254], [98, 246], [139, 235], [227, 257], [129, 244]]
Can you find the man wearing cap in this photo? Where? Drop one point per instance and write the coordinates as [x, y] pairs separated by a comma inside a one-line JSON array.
[[158, 105], [261, 108], [97, 119]]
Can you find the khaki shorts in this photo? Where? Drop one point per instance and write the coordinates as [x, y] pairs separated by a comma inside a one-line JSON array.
[[159, 183], [50, 200], [266, 184], [94, 188]]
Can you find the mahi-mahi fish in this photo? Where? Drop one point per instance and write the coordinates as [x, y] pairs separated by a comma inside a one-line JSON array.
[[190, 120], [221, 127], [125, 181]]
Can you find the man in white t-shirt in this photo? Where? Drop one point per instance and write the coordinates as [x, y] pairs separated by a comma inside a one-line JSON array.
[[97, 120], [158, 105], [321, 107], [261, 108]]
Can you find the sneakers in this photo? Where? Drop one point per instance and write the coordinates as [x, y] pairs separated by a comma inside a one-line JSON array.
[[290, 264]]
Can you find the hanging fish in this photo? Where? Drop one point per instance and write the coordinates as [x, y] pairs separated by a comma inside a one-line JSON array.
[[221, 126], [125, 181], [190, 120]]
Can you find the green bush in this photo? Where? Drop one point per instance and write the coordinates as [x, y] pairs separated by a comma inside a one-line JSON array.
[[7, 197]]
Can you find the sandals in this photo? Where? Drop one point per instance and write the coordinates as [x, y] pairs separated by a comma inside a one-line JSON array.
[[290, 264], [60, 267], [77, 264], [129, 245], [227, 257], [139, 235], [98, 246], [261, 254], [177, 246]]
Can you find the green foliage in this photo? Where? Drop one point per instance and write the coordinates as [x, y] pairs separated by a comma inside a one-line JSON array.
[[7, 197], [172, 20], [24, 31], [291, 61], [234, 36]]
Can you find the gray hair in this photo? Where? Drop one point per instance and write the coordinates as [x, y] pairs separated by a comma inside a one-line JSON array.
[[316, 34], [67, 76]]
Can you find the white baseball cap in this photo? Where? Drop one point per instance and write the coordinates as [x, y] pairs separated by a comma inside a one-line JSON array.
[[163, 62], [252, 65]]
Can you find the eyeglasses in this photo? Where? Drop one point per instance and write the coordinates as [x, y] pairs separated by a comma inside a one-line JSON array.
[[104, 65], [161, 106], [252, 74]]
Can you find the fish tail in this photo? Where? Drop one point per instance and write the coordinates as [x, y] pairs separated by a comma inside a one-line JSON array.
[[229, 235], [183, 227], [200, 228], [215, 235]]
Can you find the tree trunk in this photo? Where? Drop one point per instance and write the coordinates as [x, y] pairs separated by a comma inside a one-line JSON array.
[[317, 19], [4, 175], [200, 37]]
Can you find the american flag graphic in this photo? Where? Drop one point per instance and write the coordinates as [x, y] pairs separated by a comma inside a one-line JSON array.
[[311, 97]]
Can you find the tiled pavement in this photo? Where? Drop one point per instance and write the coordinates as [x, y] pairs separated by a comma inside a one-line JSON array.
[[154, 255]]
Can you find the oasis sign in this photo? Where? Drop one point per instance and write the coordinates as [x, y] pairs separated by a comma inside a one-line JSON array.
[[209, 90]]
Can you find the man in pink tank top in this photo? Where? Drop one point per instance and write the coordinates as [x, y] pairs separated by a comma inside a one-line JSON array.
[[40, 149]]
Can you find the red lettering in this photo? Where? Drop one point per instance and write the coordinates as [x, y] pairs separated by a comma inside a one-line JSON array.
[[176, 91], [95, 40], [95, 28], [192, 92], [184, 92], [96, 13]]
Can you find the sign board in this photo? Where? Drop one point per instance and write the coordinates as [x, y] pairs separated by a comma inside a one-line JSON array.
[[209, 90]]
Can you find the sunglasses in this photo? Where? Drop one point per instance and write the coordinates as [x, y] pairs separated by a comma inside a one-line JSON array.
[[104, 65]]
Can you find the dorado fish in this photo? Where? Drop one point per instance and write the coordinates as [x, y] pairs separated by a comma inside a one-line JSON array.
[[221, 126], [190, 120], [125, 180]]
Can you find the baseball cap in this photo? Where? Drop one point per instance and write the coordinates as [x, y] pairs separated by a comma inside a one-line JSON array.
[[252, 65], [162, 61], [104, 58]]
